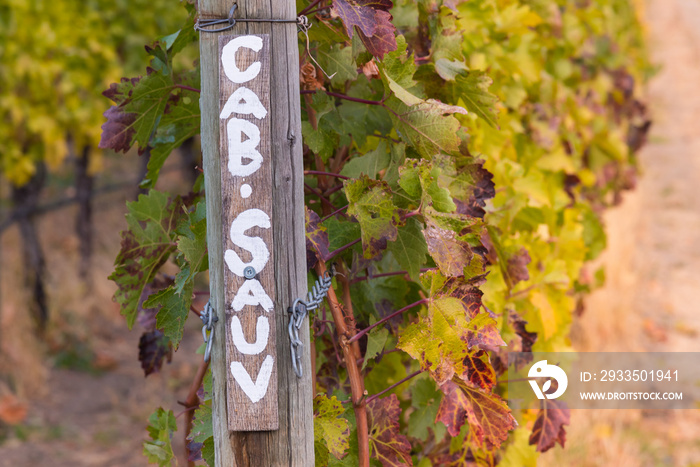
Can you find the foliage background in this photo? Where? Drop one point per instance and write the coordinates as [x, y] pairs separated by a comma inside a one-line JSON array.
[[505, 161]]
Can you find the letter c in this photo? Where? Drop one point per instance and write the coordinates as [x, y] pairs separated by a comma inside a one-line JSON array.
[[228, 58]]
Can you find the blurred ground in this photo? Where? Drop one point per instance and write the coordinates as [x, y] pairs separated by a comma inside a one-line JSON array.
[[651, 300], [88, 406]]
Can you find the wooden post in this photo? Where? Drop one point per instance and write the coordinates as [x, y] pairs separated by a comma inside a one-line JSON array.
[[279, 423]]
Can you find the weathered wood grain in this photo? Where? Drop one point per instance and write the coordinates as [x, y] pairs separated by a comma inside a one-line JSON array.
[[240, 194], [292, 444]]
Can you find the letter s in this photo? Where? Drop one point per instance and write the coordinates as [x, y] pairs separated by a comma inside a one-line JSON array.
[[255, 245]]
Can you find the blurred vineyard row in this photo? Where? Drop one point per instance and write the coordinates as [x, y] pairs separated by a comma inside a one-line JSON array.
[[56, 59]]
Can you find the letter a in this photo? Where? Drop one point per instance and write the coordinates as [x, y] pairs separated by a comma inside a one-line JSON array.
[[262, 333], [228, 58], [243, 101], [255, 391], [251, 293]]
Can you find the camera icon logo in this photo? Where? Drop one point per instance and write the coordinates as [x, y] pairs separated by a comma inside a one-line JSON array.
[[542, 370]]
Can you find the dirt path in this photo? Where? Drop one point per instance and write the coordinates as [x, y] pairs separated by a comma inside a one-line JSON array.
[[651, 300]]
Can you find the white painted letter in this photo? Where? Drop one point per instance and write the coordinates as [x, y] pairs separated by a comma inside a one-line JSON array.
[[251, 293], [228, 58], [251, 104], [255, 245], [262, 332], [257, 390], [239, 149]]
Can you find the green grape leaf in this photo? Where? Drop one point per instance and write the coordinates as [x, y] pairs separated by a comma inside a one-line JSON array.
[[387, 443], [321, 141], [192, 243], [549, 425], [370, 202], [425, 127], [410, 248], [472, 89], [331, 430], [425, 400], [161, 426], [399, 67], [370, 164], [179, 123], [340, 233], [173, 311], [338, 63], [146, 246], [488, 416], [447, 343], [421, 179], [148, 101], [376, 340], [518, 453]]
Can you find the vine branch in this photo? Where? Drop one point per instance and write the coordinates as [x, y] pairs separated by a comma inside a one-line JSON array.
[[387, 318], [350, 351]]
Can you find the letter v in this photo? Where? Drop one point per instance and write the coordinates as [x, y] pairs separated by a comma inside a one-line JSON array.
[[255, 391]]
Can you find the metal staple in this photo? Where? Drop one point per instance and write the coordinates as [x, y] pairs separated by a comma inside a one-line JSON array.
[[298, 311]]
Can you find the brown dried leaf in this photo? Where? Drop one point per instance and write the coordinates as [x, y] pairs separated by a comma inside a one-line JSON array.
[[549, 426], [311, 79], [370, 70], [450, 254]]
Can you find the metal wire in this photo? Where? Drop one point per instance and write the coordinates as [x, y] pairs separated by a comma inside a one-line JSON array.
[[208, 317], [298, 311], [229, 22]]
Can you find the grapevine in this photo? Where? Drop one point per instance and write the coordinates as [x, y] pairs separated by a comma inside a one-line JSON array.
[[457, 156]]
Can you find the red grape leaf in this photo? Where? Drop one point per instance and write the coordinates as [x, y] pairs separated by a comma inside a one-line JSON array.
[[121, 91], [478, 187], [372, 19], [154, 348], [316, 239], [549, 426], [517, 266], [388, 445], [527, 339], [383, 41], [118, 131], [488, 416]]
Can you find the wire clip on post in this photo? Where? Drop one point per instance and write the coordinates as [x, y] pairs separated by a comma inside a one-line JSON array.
[[298, 312], [208, 317], [229, 22]]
